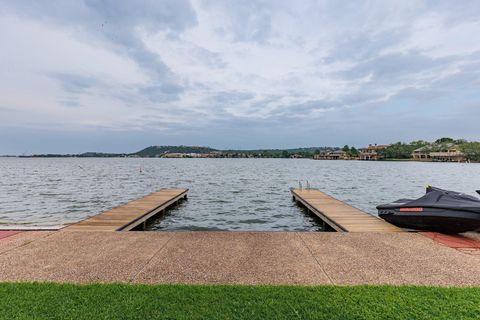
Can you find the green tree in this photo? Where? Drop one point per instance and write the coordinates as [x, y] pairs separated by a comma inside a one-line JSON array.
[[471, 150], [419, 143], [444, 140], [397, 150], [353, 152]]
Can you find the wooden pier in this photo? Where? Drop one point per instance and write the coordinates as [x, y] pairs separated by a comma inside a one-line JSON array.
[[131, 215], [339, 215]]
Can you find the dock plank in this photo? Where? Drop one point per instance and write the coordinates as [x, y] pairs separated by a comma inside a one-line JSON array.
[[131, 214], [339, 215]]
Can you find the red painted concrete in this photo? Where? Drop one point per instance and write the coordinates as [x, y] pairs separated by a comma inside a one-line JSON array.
[[452, 241], [4, 234]]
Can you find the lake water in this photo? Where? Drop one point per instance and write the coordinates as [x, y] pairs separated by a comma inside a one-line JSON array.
[[225, 194]]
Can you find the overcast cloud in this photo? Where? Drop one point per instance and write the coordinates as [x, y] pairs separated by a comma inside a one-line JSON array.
[[118, 75]]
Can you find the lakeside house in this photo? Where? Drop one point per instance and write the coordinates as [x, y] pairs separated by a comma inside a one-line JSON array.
[[188, 155], [371, 152], [422, 154], [296, 156], [443, 153], [331, 155]]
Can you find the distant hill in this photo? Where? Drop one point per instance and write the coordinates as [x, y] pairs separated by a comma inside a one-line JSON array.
[[155, 151], [159, 151]]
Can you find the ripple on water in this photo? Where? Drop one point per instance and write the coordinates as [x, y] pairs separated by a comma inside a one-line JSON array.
[[256, 201], [225, 194], [253, 221]]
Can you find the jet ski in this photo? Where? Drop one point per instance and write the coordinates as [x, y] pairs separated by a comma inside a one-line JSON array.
[[438, 210]]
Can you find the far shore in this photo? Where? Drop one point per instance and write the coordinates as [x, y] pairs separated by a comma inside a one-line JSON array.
[[252, 157]]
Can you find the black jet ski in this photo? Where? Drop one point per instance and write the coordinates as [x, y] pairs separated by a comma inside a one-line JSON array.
[[438, 210]]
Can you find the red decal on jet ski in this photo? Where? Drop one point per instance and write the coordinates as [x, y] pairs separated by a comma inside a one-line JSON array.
[[411, 209]]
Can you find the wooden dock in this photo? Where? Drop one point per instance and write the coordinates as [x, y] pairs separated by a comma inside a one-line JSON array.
[[339, 215], [131, 215]]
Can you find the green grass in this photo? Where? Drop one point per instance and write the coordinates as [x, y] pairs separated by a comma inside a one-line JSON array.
[[115, 301]]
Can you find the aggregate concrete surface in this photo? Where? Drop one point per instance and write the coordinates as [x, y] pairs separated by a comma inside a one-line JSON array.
[[308, 258]]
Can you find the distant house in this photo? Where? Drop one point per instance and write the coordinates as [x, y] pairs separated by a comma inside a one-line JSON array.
[[441, 153], [296, 156], [173, 155], [448, 156], [188, 155], [331, 155], [448, 153], [422, 153], [371, 153]]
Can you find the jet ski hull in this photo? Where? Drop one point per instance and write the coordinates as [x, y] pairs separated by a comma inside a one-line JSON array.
[[438, 210], [432, 219]]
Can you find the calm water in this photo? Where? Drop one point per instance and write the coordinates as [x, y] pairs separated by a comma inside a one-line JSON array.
[[225, 194]]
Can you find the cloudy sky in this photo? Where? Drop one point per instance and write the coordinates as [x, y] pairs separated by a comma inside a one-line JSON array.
[[116, 75]]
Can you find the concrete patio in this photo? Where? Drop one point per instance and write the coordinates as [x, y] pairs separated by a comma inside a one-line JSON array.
[[236, 257]]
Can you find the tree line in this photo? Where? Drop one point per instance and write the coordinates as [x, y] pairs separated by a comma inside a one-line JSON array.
[[401, 150]]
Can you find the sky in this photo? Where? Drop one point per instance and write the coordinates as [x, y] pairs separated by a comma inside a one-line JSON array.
[[117, 75]]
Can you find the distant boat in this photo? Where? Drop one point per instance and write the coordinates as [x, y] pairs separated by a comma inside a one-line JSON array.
[[438, 210]]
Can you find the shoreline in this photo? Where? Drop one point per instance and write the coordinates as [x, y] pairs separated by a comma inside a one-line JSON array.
[[291, 158]]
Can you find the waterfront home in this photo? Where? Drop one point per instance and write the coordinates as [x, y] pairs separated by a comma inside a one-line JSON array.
[[296, 156], [371, 153], [331, 155], [442, 153], [422, 153], [188, 155], [449, 155]]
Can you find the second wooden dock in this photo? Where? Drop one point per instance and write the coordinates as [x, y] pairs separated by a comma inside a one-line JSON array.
[[131, 215], [339, 215]]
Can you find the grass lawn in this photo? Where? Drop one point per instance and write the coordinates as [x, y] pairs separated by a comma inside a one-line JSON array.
[[115, 301]]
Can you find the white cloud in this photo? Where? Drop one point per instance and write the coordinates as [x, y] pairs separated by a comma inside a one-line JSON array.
[[175, 64]]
